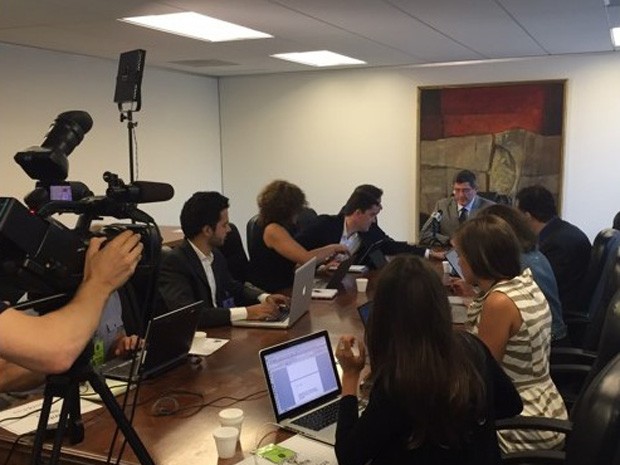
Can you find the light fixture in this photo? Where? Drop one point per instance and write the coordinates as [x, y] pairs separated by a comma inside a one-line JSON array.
[[319, 58], [196, 26], [615, 36]]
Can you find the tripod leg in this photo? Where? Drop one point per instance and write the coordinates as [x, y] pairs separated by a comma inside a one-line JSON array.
[[41, 427], [121, 420]]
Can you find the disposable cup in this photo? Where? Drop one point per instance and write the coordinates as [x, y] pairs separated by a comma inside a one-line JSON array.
[[226, 441], [232, 417], [361, 284]]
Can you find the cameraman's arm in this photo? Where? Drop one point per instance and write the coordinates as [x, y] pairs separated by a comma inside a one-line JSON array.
[[51, 343], [16, 378]]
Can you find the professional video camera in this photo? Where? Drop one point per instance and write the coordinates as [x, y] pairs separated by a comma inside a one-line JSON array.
[[41, 255]]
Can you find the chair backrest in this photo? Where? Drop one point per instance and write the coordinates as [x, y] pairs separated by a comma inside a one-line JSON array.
[[605, 241], [608, 285], [609, 345], [250, 232], [596, 420], [236, 258], [306, 218]]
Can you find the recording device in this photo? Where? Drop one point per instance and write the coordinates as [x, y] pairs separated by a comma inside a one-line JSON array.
[[40, 255]]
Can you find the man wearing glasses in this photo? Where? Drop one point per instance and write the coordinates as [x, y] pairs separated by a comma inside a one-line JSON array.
[[450, 212]]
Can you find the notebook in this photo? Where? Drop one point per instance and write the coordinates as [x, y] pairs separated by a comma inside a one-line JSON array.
[[166, 344], [304, 386], [453, 259], [300, 301], [328, 289]]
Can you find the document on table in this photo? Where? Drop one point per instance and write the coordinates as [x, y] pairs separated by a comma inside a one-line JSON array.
[[25, 418], [309, 452]]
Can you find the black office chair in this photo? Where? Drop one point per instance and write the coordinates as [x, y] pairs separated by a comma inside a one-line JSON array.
[[305, 219], [616, 222], [236, 257], [573, 369], [250, 232], [596, 290], [593, 429]]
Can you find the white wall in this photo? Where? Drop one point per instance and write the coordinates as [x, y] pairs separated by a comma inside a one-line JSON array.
[[329, 131], [177, 133]]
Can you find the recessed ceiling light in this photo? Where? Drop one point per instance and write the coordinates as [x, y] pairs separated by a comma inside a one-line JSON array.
[[196, 26], [319, 58], [615, 36]]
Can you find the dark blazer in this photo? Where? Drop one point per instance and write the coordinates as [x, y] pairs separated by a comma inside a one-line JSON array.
[[327, 229], [182, 281], [568, 250], [449, 219]]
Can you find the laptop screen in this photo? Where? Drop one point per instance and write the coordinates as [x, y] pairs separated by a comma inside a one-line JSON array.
[[364, 312], [453, 259], [300, 373]]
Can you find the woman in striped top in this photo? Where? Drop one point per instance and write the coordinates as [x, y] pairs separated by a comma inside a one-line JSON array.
[[512, 317]]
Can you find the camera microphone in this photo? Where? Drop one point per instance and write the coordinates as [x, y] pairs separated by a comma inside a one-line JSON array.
[[149, 191]]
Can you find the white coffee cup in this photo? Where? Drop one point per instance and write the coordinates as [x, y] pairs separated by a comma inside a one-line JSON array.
[[231, 417], [361, 284], [447, 268], [226, 441]]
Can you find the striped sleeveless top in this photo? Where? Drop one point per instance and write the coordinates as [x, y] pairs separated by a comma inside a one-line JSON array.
[[526, 362]]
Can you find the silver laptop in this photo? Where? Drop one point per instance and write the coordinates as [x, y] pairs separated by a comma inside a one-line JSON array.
[[304, 385], [166, 344], [300, 301]]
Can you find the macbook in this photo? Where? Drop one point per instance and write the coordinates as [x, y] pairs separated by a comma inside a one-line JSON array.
[[166, 344], [304, 385], [300, 301]]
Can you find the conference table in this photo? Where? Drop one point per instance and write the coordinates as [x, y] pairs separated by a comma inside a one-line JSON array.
[[200, 388]]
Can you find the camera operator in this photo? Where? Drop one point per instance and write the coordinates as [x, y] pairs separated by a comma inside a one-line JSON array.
[[51, 343]]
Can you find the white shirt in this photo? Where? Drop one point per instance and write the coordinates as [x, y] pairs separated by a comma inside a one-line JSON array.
[[351, 241]]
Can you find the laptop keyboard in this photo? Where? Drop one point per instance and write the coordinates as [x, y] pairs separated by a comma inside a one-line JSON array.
[[320, 418], [283, 315]]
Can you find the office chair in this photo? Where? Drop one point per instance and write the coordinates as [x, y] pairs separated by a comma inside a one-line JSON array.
[[616, 222], [250, 231], [306, 218], [596, 290], [235, 255], [573, 369], [591, 433]]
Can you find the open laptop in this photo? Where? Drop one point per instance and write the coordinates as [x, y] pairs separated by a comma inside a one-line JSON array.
[[304, 386], [327, 289], [453, 259], [166, 344], [300, 301]]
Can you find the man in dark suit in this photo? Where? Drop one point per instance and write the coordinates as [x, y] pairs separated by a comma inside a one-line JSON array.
[[566, 247], [356, 227], [197, 270], [450, 212]]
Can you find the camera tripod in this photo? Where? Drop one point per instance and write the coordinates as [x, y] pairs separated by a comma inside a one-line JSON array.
[[66, 387]]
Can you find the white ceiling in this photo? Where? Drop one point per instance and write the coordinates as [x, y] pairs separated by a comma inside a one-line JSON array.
[[380, 32]]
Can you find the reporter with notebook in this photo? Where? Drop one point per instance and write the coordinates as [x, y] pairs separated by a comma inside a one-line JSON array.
[[197, 270], [436, 391], [51, 343]]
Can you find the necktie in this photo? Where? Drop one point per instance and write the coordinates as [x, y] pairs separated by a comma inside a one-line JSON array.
[[462, 215]]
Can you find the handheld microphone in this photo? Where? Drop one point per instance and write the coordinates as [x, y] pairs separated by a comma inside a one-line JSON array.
[[437, 216]]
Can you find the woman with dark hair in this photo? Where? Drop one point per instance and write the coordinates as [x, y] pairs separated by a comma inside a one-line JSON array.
[[274, 252], [512, 317], [538, 264], [436, 391]]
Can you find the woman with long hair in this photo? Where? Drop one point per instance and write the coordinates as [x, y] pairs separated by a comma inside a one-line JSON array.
[[436, 390], [512, 317], [274, 253]]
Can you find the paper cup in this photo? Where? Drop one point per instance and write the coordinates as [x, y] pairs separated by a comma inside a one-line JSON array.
[[361, 284], [226, 441], [231, 417]]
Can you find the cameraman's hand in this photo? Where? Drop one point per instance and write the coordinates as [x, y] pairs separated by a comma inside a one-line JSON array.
[[111, 266], [264, 311]]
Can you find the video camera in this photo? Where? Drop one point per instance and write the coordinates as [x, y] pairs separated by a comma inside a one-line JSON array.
[[39, 254]]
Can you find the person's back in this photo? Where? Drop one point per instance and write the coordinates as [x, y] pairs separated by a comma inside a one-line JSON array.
[[568, 250], [268, 269]]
